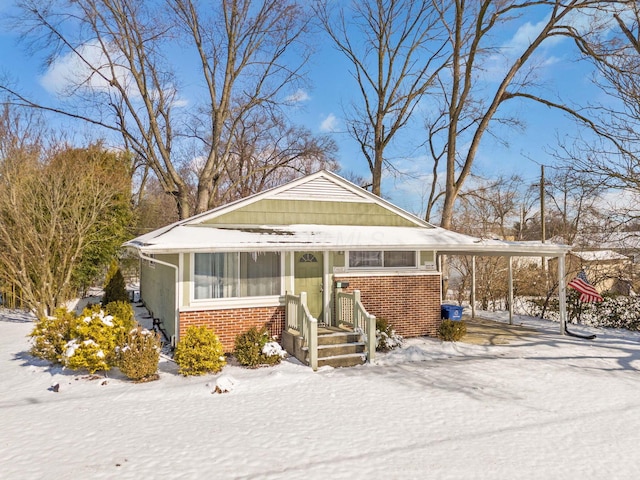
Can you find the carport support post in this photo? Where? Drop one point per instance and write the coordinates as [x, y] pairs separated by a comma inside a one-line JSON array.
[[473, 286], [510, 290], [562, 295]]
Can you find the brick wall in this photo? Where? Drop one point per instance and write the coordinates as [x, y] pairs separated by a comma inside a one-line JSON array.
[[411, 303], [227, 324]]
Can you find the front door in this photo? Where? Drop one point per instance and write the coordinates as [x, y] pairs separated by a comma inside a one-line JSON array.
[[308, 278]]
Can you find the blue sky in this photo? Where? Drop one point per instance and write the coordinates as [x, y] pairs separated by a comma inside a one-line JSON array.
[[321, 109]]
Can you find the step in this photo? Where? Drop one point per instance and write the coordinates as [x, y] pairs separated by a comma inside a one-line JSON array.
[[338, 338], [338, 349], [339, 361]]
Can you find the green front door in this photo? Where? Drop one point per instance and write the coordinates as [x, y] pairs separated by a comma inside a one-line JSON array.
[[308, 278]]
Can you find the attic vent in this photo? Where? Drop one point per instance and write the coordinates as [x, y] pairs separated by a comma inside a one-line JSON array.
[[322, 189]]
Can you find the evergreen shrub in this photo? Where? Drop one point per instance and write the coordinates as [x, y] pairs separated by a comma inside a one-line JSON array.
[[452, 331], [615, 311], [199, 352], [95, 336], [51, 334], [123, 311], [115, 289], [138, 357], [386, 338], [255, 348], [87, 341]]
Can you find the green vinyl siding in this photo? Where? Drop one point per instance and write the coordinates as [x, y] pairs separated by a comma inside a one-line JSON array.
[[290, 212], [158, 290]]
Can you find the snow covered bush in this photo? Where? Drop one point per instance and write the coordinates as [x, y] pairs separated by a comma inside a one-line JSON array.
[[94, 338], [51, 334], [255, 348], [123, 312], [386, 338], [613, 312], [199, 352], [86, 341], [139, 356], [452, 331]]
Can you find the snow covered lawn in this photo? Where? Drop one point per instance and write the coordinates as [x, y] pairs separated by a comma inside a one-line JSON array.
[[543, 407]]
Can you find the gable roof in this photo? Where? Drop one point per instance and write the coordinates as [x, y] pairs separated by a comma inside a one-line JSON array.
[[322, 186], [201, 233]]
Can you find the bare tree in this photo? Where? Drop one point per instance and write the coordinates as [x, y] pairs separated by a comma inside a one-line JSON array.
[[471, 106], [576, 203], [395, 48], [611, 41], [242, 57], [268, 152], [488, 208]]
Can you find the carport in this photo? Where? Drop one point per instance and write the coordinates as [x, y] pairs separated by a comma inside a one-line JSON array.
[[502, 248]]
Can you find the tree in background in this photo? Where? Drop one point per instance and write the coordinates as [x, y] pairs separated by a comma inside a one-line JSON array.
[[449, 58], [395, 48], [63, 214], [611, 157], [115, 224], [267, 152], [487, 210], [471, 104], [244, 58]]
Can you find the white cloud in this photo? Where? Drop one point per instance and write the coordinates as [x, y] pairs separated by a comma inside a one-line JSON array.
[[526, 34], [329, 124], [298, 96], [90, 70], [496, 65]]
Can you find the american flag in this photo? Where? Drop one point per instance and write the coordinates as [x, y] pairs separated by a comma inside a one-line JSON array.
[[582, 285]]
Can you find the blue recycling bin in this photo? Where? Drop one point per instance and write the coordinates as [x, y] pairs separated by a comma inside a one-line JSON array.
[[450, 312]]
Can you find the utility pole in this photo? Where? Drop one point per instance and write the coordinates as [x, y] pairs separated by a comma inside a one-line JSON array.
[[542, 226], [542, 202]]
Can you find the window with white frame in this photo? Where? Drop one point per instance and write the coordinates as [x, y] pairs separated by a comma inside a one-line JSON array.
[[382, 259], [244, 274]]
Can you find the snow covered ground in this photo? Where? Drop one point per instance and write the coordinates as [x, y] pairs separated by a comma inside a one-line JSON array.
[[543, 407]]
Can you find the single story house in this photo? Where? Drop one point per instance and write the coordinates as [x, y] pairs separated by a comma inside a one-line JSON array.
[[316, 253]]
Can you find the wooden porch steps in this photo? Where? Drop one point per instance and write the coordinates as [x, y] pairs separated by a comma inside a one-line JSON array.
[[339, 349], [336, 348]]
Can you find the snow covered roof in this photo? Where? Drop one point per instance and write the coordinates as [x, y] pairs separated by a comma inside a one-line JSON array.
[[609, 240], [599, 255], [204, 233], [193, 238]]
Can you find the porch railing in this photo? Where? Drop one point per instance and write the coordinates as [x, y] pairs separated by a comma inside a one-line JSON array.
[[298, 318], [351, 312]]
